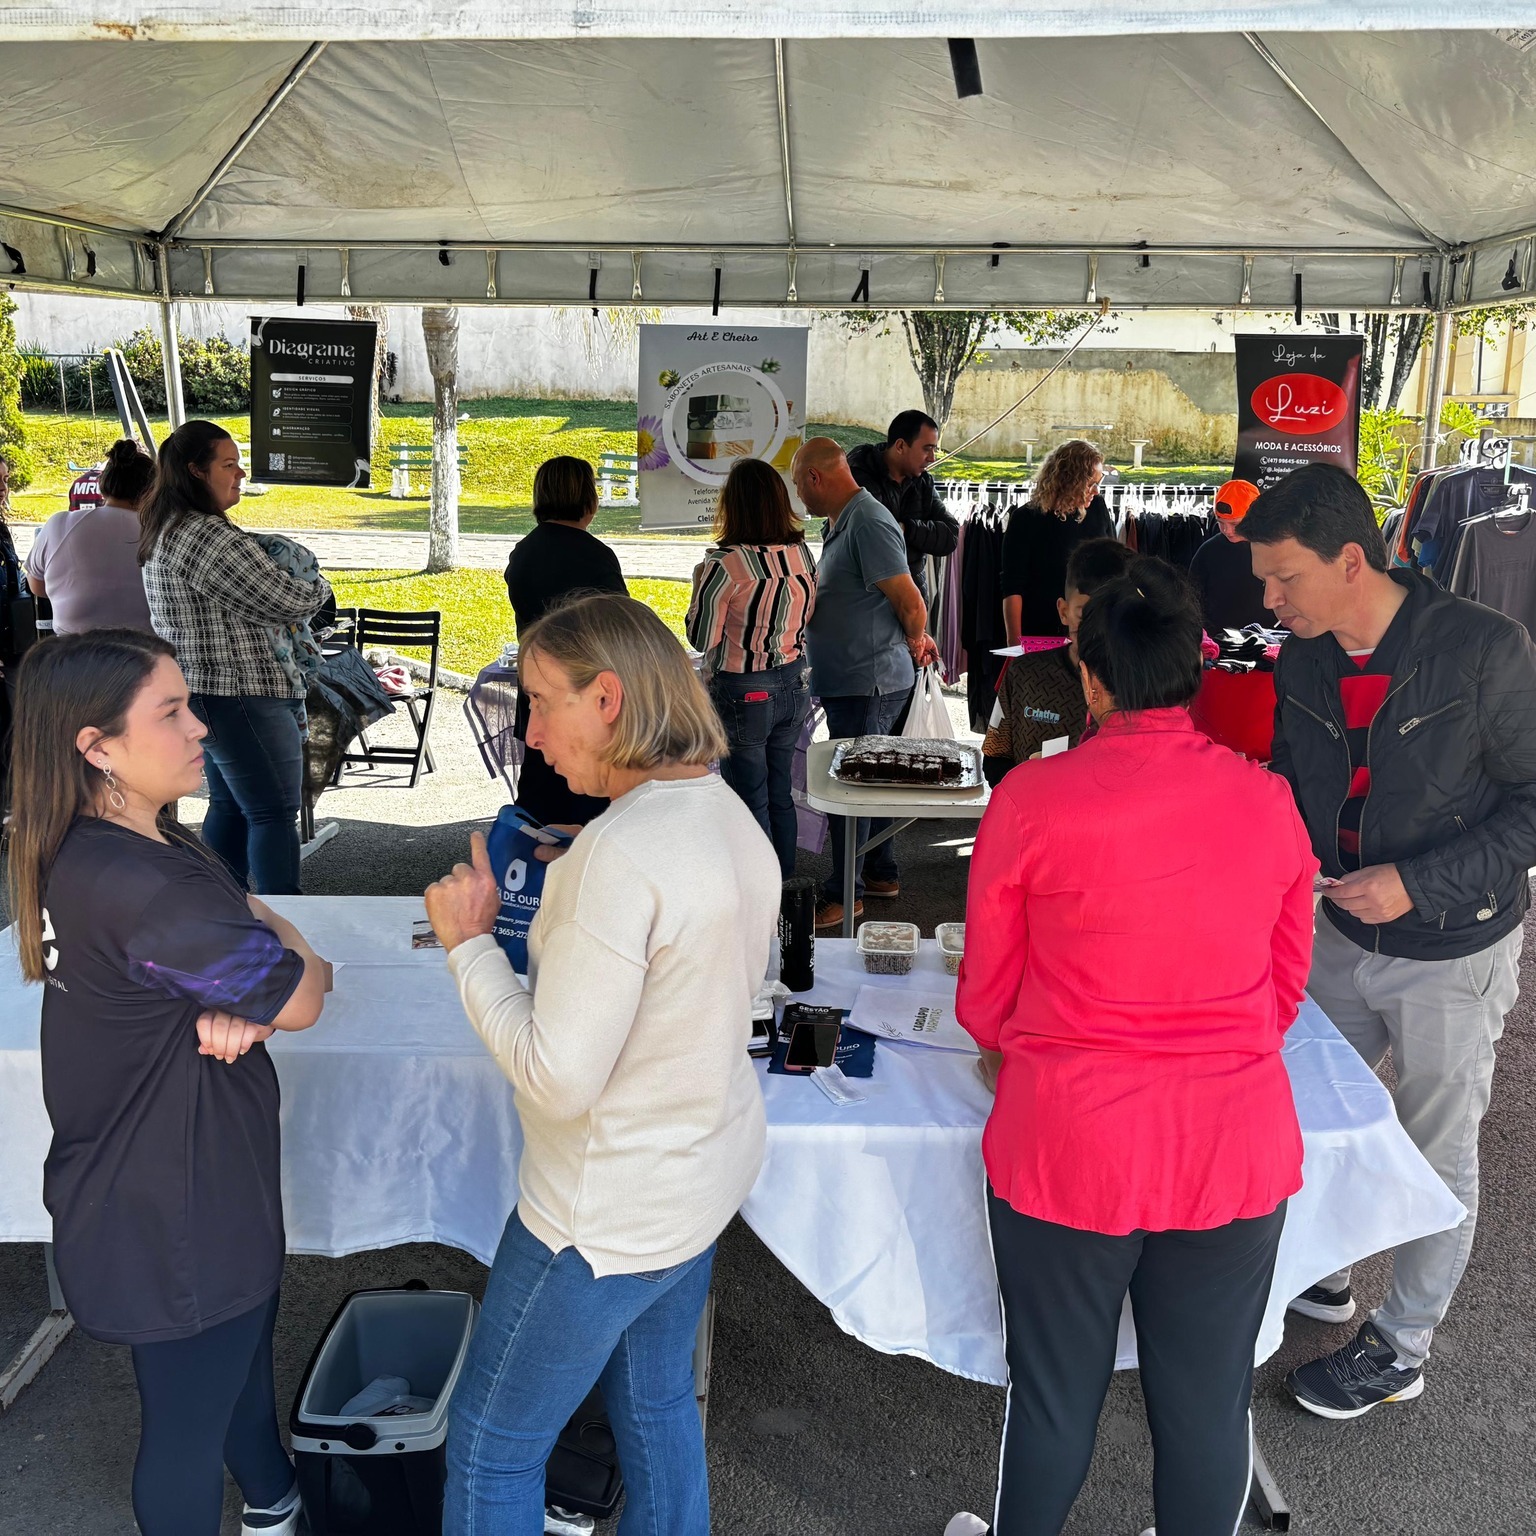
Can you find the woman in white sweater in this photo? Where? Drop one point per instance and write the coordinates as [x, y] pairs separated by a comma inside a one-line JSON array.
[[642, 1119]]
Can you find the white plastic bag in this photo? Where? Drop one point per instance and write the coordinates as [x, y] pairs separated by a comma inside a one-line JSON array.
[[928, 717]]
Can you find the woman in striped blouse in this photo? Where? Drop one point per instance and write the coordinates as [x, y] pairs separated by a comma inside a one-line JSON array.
[[752, 596]]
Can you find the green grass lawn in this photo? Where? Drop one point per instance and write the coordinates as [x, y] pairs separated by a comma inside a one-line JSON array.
[[477, 619], [505, 440]]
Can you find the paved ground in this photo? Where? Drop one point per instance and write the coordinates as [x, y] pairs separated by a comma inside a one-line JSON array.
[[812, 1433], [343, 550]]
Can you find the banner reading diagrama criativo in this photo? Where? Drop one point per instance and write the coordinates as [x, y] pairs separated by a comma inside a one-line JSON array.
[[709, 396], [1298, 402]]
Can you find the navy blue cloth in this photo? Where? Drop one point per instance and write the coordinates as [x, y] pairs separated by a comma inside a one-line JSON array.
[[163, 1175], [206, 1403]]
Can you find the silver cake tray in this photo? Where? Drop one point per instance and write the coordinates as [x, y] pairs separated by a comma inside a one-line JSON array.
[[970, 762]]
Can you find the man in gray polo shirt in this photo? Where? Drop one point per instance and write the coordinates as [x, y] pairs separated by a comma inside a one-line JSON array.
[[866, 636]]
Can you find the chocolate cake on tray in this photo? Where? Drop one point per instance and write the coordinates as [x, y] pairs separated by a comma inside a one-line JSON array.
[[898, 760]]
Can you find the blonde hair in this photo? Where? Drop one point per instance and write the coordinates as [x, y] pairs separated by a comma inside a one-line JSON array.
[[1065, 474], [666, 716]]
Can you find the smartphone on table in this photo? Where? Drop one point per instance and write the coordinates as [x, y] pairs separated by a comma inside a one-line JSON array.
[[813, 1036]]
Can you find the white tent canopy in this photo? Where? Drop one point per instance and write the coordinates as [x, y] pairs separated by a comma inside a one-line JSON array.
[[1156, 158]]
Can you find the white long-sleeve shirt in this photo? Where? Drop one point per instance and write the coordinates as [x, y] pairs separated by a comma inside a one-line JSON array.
[[642, 1118]]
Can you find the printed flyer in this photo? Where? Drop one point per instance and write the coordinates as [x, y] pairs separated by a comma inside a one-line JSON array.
[[1298, 402], [710, 395], [311, 401]]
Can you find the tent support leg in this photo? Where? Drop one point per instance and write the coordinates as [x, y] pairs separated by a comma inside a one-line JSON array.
[[1439, 359], [170, 352]]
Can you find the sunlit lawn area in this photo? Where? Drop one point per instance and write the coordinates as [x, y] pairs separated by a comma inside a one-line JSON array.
[[505, 441], [477, 619]]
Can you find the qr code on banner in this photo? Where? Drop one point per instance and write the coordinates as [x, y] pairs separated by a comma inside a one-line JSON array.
[[277, 463]]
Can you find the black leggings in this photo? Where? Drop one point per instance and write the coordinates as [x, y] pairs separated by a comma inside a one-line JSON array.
[[206, 1403], [1198, 1299]]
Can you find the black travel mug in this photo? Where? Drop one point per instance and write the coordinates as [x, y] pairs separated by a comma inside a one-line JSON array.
[[797, 934]]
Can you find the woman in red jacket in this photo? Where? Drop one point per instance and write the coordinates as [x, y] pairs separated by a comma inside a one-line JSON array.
[[1138, 933]]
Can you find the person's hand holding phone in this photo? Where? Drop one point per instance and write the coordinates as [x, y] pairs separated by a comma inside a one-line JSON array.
[[1375, 894], [463, 905], [226, 1036]]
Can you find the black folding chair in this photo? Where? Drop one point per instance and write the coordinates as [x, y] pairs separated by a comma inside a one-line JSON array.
[[395, 631]]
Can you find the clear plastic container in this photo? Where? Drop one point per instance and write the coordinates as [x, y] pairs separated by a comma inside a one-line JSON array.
[[951, 937], [888, 949]]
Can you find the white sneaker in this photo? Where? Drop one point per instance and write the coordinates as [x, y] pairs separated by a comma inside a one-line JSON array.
[[566, 1522], [1151, 1530], [281, 1520], [967, 1524]]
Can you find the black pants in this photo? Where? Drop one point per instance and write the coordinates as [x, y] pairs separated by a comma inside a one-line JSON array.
[[1198, 1299], [207, 1403]]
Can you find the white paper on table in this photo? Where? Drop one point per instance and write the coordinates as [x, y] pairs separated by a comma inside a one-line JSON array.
[[912, 1018]]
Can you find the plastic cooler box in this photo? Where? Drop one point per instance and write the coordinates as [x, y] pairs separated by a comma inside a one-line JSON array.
[[380, 1476]]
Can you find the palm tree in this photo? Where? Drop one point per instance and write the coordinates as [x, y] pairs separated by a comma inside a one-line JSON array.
[[440, 328]]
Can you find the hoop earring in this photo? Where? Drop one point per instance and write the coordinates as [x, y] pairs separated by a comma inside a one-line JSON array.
[[114, 794]]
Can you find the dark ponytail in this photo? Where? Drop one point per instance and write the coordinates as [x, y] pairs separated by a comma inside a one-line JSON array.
[[176, 492], [128, 472], [1140, 637]]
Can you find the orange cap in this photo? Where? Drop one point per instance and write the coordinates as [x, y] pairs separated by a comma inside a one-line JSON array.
[[1234, 499]]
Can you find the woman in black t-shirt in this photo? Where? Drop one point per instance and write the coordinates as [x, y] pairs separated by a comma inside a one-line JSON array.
[[547, 566], [1064, 510], [163, 979]]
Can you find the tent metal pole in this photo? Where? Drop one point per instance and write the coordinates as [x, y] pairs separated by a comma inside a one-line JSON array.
[[1439, 356], [170, 352], [789, 192], [296, 74]]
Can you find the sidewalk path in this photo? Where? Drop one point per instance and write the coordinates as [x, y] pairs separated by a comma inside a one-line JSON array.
[[372, 550]]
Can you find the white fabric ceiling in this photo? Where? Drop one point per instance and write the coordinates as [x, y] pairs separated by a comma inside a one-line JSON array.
[[1362, 160]]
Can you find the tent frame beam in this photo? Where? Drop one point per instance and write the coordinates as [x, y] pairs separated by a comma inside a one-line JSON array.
[[297, 73], [804, 248], [1283, 75]]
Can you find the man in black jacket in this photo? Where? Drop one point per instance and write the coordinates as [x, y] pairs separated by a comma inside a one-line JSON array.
[[1406, 725], [896, 475]]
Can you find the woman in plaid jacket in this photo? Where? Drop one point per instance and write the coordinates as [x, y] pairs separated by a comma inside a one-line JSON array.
[[216, 594]]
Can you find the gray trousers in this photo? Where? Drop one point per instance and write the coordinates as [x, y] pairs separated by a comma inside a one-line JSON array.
[[1440, 1019]]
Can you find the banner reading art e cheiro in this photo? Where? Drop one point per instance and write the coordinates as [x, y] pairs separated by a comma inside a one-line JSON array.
[[312, 401], [710, 396], [1298, 402]]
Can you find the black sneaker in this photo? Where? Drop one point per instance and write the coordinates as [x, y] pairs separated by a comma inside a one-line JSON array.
[[1326, 1306], [1353, 1380]]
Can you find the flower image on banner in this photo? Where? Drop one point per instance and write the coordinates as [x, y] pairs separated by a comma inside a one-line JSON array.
[[648, 446], [709, 397]]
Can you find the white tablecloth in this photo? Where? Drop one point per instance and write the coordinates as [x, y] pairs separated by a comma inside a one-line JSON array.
[[397, 1127]]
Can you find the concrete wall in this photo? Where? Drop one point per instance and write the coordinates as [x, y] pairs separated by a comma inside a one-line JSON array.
[[1182, 402], [1179, 397]]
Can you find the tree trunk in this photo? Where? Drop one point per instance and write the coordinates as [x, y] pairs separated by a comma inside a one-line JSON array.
[[1373, 361], [440, 328], [379, 314], [941, 343], [1410, 338]]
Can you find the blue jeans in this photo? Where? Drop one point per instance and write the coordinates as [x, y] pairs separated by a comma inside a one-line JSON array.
[[548, 1330], [253, 756], [874, 714], [763, 714]]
